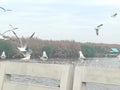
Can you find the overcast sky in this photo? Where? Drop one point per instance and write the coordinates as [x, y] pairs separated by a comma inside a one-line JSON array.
[[63, 19]]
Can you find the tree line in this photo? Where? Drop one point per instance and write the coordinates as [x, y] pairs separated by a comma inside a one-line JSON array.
[[56, 49]]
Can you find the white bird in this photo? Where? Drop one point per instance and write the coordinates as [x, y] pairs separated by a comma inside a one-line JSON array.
[[44, 56], [23, 48], [3, 55], [27, 55], [114, 15], [5, 10], [26, 58], [81, 56]]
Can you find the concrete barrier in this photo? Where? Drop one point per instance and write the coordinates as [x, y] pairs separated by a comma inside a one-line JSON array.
[[64, 73], [84, 74], [70, 79]]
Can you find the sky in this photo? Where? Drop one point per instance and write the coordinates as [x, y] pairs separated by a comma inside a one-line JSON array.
[[63, 19]]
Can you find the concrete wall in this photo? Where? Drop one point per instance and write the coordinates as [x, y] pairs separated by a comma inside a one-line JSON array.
[[84, 74], [70, 78], [64, 73]]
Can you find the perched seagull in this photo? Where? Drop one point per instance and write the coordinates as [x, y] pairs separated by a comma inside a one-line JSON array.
[[5, 10], [44, 56], [81, 56], [114, 15], [3, 55], [22, 48], [26, 55]]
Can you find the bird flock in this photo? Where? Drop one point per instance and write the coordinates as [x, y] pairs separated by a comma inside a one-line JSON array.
[[23, 48], [100, 25]]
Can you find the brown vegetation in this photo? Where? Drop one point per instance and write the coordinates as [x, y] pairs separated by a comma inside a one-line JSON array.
[[60, 49]]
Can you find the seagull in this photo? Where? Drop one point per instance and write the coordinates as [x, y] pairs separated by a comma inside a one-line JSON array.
[[114, 15], [26, 55], [23, 48], [81, 56], [5, 10], [44, 56], [3, 55], [97, 31]]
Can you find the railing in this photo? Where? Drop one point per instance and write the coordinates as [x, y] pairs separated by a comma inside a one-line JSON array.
[[70, 78]]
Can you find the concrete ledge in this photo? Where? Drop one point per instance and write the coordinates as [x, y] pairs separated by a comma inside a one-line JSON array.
[[70, 78], [64, 73], [96, 75]]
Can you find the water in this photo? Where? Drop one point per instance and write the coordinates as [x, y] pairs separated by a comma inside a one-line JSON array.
[[94, 62]]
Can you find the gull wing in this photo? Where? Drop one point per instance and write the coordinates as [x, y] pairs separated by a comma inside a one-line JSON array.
[[10, 29], [26, 45], [5, 9], [100, 25], [114, 15], [2, 8], [13, 27], [18, 39], [32, 35]]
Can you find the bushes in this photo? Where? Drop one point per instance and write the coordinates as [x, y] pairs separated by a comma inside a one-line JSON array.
[[7, 47], [64, 49], [48, 50], [92, 51]]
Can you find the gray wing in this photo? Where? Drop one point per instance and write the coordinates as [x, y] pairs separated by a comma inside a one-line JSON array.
[[18, 38], [13, 28], [10, 30], [26, 45], [100, 25], [114, 15], [2, 8], [32, 35]]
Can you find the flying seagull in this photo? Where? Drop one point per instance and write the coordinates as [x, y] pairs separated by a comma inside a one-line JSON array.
[[5, 10], [97, 31], [23, 48], [114, 15]]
